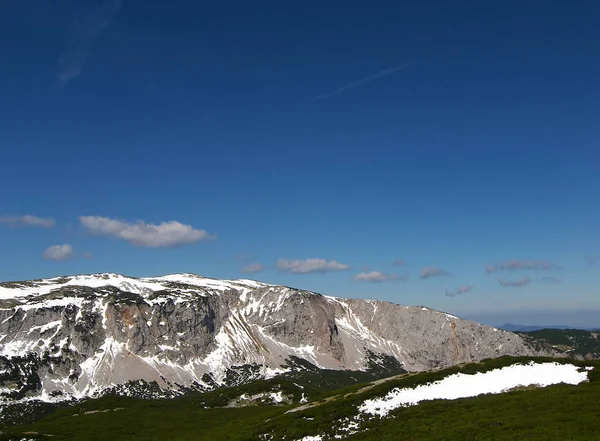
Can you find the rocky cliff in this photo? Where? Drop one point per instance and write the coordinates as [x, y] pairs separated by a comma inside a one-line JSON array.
[[78, 336]]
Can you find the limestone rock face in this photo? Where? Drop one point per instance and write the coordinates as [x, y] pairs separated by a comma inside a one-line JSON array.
[[78, 336]]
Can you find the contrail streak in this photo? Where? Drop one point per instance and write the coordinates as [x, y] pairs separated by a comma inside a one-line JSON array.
[[90, 21], [362, 81]]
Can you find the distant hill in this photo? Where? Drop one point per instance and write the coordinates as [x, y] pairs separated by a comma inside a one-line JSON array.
[[576, 343], [511, 327]]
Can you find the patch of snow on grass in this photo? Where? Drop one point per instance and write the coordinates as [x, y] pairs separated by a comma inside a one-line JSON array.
[[465, 385]]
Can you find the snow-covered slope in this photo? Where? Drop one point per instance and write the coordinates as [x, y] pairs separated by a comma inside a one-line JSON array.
[[77, 336]]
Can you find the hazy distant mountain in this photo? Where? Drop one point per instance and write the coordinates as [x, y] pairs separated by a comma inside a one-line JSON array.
[[81, 335], [528, 328]]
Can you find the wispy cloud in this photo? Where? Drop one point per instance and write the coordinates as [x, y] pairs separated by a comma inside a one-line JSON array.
[[592, 259], [431, 271], [253, 268], [310, 266], [377, 277], [521, 265], [399, 262], [362, 81], [27, 220], [245, 258], [59, 252], [458, 291], [516, 283], [549, 280], [141, 234], [93, 17]]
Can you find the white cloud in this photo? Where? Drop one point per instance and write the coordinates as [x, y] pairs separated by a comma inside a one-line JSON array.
[[59, 252], [432, 271], [253, 268], [375, 277], [27, 220], [142, 234], [310, 266]]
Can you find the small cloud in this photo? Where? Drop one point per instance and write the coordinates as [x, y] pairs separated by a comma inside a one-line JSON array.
[[38, 221], [521, 265], [27, 220], [253, 268], [141, 234], [432, 271], [458, 291], [549, 280], [59, 252], [87, 255], [375, 277], [592, 259], [399, 262], [310, 266], [517, 283]]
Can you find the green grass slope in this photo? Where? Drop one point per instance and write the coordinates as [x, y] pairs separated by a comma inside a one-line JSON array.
[[558, 412]]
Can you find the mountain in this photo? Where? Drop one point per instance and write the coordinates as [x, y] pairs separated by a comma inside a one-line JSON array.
[[81, 336]]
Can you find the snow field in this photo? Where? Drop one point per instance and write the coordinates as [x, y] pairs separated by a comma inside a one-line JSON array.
[[464, 385]]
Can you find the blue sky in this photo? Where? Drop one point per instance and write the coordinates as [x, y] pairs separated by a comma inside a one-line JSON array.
[[144, 138]]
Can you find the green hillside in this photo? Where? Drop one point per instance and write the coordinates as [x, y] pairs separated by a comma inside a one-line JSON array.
[[572, 342], [560, 412]]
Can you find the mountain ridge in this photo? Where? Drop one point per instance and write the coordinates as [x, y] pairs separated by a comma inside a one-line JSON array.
[[79, 335]]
